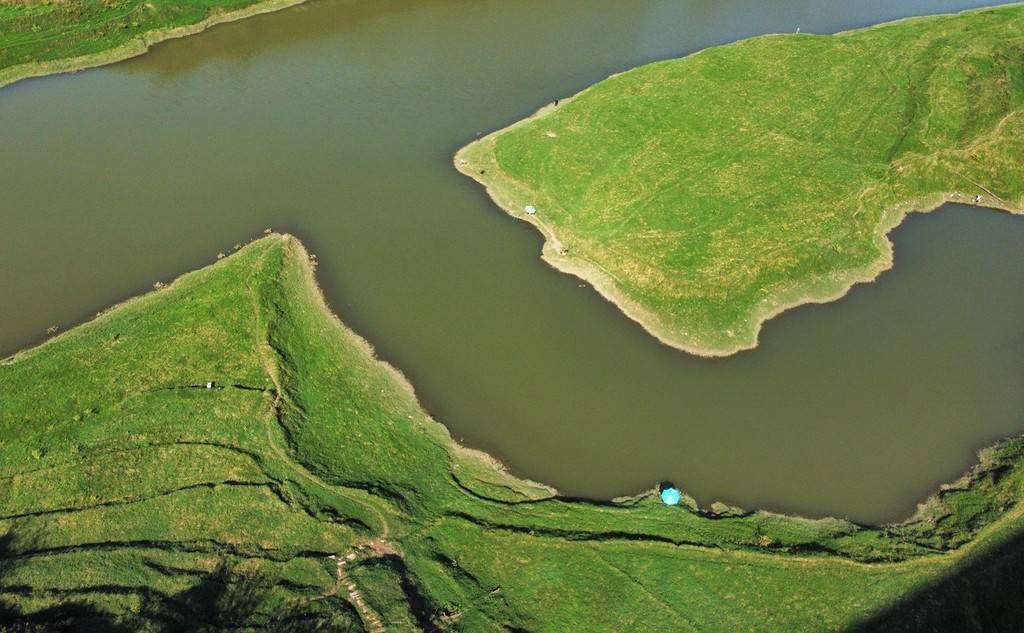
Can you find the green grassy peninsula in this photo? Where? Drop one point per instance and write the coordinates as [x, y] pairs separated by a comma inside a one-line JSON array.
[[223, 454], [706, 194]]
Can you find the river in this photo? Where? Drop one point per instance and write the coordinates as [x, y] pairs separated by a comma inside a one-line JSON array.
[[337, 120]]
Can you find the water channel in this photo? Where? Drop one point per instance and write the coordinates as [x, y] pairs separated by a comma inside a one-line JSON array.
[[337, 120]]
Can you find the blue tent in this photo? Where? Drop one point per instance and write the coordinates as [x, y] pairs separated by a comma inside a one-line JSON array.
[[671, 496]]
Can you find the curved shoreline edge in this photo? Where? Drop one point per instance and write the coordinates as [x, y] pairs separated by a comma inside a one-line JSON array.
[[530, 491], [456, 528], [985, 463], [138, 45], [456, 449], [316, 294], [814, 291], [477, 160]]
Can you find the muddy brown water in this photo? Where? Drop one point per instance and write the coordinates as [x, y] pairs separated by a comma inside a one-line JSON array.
[[337, 121]]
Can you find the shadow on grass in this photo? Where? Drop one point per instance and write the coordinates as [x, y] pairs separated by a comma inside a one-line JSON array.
[[225, 600], [222, 600], [984, 595], [69, 615]]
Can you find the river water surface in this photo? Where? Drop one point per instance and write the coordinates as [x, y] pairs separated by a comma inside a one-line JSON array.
[[337, 120]]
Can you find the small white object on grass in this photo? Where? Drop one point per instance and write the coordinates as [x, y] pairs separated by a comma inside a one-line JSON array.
[[530, 209]]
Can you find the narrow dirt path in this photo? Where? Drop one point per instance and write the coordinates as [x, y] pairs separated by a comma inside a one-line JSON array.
[[370, 618]]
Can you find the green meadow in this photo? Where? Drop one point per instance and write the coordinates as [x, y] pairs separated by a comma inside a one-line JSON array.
[[222, 453], [706, 194]]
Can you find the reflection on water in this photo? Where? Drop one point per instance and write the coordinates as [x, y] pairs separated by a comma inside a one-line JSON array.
[[337, 120]]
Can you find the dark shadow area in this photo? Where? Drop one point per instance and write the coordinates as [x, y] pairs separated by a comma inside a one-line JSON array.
[[73, 616], [222, 600], [419, 605], [985, 594], [226, 600], [219, 601], [70, 615]]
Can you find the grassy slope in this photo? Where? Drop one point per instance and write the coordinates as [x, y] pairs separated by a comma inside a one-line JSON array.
[[135, 497], [41, 38], [706, 194]]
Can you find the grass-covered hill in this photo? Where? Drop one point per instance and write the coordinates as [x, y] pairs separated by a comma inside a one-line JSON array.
[[222, 454], [705, 194]]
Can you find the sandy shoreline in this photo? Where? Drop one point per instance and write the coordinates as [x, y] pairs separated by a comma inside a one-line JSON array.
[[138, 45]]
